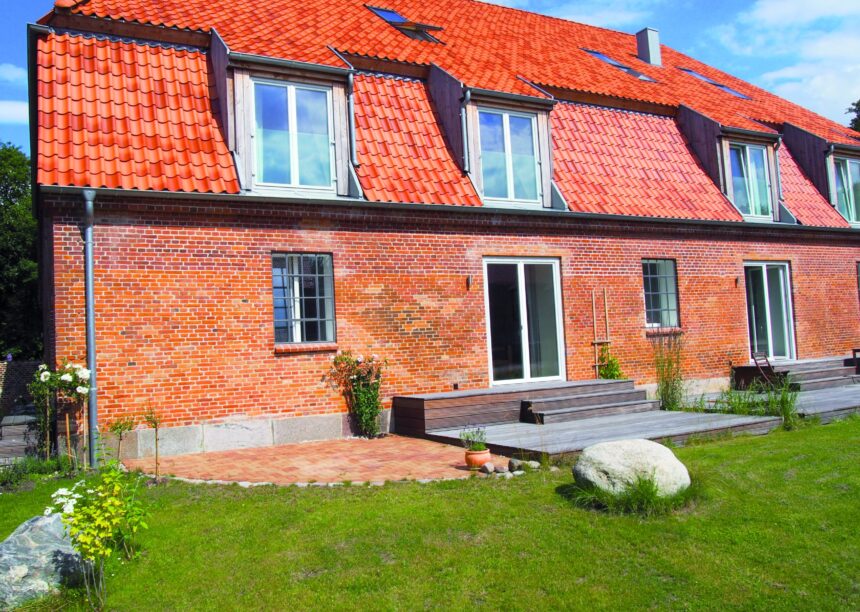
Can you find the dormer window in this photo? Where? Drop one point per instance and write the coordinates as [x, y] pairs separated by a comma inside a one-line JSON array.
[[848, 188], [509, 159], [292, 132], [750, 187]]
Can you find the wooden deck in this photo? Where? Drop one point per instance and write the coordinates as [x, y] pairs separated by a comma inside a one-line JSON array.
[[829, 404], [573, 436]]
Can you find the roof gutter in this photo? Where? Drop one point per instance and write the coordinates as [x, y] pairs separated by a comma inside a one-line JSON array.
[[283, 63], [510, 97], [468, 210]]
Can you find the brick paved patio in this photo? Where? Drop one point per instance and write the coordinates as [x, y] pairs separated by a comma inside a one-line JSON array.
[[356, 460]]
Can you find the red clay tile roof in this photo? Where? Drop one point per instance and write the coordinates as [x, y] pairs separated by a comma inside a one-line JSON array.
[[401, 150], [128, 115], [486, 46], [802, 198], [627, 163]]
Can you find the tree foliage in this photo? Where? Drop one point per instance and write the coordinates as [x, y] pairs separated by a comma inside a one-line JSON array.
[[855, 120], [20, 318]]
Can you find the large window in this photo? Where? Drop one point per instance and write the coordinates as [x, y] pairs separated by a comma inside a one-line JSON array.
[[661, 292], [303, 291], [848, 188], [292, 132], [509, 163], [750, 180]]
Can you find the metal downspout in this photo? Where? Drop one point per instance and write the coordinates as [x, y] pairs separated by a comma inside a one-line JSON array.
[[350, 101], [464, 103], [92, 412]]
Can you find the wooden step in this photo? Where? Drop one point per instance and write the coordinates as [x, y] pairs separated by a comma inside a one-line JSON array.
[[810, 374], [813, 364], [575, 413], [825, 383], [586, 399]]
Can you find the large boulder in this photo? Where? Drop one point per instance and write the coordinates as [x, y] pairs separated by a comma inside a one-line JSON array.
[[36, 559], [613, 466]]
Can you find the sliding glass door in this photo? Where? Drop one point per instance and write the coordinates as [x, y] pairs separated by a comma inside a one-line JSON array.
[[523, 302], [769, 309]]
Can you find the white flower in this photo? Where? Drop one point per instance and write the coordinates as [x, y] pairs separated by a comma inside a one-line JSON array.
[[82, 390], [360, 359], [66, 378], [83, 373], [48, 511], [44, 376], [69, 507], [374, 357], [63, 491], [43, 367]]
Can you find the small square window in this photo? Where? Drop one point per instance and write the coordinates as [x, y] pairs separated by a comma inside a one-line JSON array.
[[416, 31], [711, 81], [660, 281], [303, 298]]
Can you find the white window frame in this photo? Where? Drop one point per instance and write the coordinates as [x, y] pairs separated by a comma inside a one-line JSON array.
[[296, 299], [789, 308], [294, 187], [748, 180], [520, 262], [849, 190], [511, 202]]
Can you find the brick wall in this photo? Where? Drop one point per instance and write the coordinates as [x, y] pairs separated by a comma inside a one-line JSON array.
[[184, 301]]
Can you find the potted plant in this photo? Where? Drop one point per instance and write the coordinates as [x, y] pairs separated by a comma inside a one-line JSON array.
[[475, 441]]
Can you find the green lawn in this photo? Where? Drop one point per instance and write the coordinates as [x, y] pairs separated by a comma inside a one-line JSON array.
[[778, 528]]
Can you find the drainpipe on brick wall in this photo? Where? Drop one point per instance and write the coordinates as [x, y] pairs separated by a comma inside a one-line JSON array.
[[464, 104], [350, 102], [89, 291]]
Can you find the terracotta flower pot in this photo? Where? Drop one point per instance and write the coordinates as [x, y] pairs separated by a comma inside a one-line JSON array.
[[475, 459]]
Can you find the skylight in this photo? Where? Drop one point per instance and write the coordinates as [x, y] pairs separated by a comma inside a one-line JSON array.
[[620, 66], [711, 81], [416, 31]]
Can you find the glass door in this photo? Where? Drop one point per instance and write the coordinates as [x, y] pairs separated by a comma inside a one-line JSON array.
[[523, 302], [769, 309]]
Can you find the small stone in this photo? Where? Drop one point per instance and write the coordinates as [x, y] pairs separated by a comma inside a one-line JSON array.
[[502, 469], [514, 465], [554, 468], [507, 475], [518, 473], [533, 465], [488, 468]]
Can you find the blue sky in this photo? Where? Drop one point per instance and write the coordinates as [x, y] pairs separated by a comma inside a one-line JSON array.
[[805, 50]]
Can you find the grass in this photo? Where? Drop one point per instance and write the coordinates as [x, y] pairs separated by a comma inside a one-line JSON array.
[[774, 528], [762, 400], [640, 498]]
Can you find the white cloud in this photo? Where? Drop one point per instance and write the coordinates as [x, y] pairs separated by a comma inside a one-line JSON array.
[[14, 111], [10, 73], [817, 43]]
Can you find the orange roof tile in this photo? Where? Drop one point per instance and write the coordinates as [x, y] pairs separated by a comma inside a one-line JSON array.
[[628, 163], [401, 150], [128, 115], [486, 46], [801, 197]]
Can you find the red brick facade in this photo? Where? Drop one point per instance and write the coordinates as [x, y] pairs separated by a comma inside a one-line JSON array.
[[184, 298]]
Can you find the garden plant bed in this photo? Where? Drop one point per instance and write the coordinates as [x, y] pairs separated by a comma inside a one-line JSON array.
[[772, 507]]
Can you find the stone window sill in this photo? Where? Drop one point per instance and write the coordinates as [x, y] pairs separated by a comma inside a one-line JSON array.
[[656, 332], [305, 347]]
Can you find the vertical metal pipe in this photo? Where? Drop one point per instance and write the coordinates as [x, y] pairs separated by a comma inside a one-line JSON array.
[[464, 104], [350, 102], [89, 292]]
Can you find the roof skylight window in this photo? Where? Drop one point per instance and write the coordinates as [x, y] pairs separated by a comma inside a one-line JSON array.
[[711, 81], [412, 29], [620, 66]]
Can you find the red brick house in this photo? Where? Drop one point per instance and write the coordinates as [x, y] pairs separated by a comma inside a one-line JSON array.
[[451, 185]]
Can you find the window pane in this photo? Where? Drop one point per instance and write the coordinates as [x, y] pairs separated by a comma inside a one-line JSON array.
[[273, 134], [494, 172], [760, 194], [854, 175], [314, 143], [523, 157], [739, 180], [541, 320]]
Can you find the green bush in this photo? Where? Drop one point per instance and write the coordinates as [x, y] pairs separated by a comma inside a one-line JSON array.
[[12, 475], [609, 368], [359, 378], [667, 363], [762, 399], [640, 498]]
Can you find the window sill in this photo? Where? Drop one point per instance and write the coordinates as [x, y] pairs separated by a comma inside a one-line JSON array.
[[308, 347], [656, 332]]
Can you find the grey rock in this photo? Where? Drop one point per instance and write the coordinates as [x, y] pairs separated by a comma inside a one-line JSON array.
[[507, 475], [36, 560], [501, 469], [518, 473], [613, 466], [554, 468], [533, 465], [488, 468], [515, 464]]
